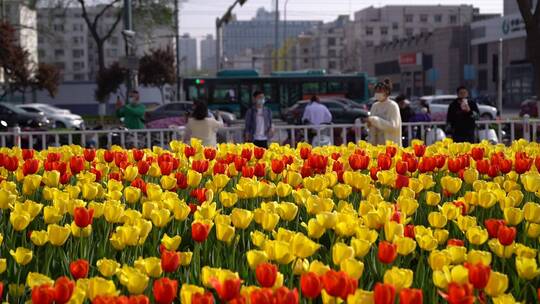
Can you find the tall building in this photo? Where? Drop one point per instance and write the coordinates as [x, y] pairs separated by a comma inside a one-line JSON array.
[[188, 53], [373, 25], [258, 33], [330, 45], [208, 54], [65, 41]]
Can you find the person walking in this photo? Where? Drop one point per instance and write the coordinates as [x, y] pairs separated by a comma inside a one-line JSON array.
[[461, 117], [258, 124], [202, 126], [132, 112], [385, 121], [316, 113], [405, 109]]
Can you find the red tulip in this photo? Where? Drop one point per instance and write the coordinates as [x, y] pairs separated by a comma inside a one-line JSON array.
[[419, 150], [384, 293], [306, 171], [165, 290], [402, 181], [311, 285], [43, 294], [387, 252], [266, 274], [189, 151], [170, 260], [412, 164], [246, 154], [409, 231], [479, 275], [259, 170], [165, 167], [277, 166], [454, 165], [139, 183], [108, 156], [11, 163], [63, 290], [181, 180], [285, 296], [358, 162], [337, 166], [206, 298], [138, 299], [335, 155], [120, 157], [258, 152], [1, 290], [89, 155], [199, 194], [384, 161], [373, 173], [64, 178], [97, 173], [537, 165], [477, 153], [305, 153], [76, 164], [338, 284], [227, 290], [455, 242], [506, 235], [143, 167], [219, 168], [492, 226], [248, 172], [210, 153], [200, 166], [522, 165], [79, 269], [391, 151], [410, 296], [83, 217], [460, 294], [262, 296], [30, 166], [199, 232], [402, 167]]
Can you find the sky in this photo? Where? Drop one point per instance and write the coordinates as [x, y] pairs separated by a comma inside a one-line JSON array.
[[198, 16]]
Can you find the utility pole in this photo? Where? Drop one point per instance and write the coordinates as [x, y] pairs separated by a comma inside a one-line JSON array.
[[219, 24], [500, 76], [276, 37], [178, 55], [129, 37]]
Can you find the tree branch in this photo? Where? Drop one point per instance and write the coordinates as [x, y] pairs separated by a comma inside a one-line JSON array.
[[113, 27], [537, 12], [104, 10], [526, 13]]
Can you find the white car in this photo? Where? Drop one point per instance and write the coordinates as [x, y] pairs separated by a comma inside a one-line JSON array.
[[61, 118], [438, 105]]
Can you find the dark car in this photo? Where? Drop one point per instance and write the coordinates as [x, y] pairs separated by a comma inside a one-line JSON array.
[[15, 116], [529, 107], [169, 110], [342, 113]]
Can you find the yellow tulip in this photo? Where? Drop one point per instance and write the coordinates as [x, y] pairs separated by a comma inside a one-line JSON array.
[[527, 268], [533, 230], [407, 205], [153, 192], [107, 267], [185, 258], [31, 183], [501, 251], [51, 178], [315, 229], [294, 178], [241, 218], [187, 291], [132, 194], [171, 243], [478, 256], [470, 175], [256, 257], [318, 267], [352, 267], [279, 251], [460, 274], [181, 211], [398, 277], [302, 246], [437, 219], [58, 235], [22, 255], [477, 235], [269, 221], [193, 178], [6, 199], [258, 238], [451, 184], [433, 198], [427, 242], [405, 245], [530, 181], [369, 235], [466, 222], [160, 218], [513, 216], [228, 199], [531, 212], [150, 266], [361, 247], [392, 230], [450, 210], [130, 173], [34, 279], [100, 287], [341, 252], [73, 191], [438, 259], [458, 254], [135, 281], [3, 265], [113, 211], [497, 284], [327, 219], [51, 215], [168, 182], [283, 190], [225, 233], [16, 290], [361, 296], [287, 211], [39, 238], [154, 170], [300, 266], [98, 209], [89, 191], [342, 191], [220, 180], [19, 220], [505, 299]]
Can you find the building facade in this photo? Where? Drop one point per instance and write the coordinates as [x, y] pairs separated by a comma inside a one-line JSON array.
[[423, 64], [259, 32], [373, 26], [65, 41], [208, 54], [188, 53], [511, 6]]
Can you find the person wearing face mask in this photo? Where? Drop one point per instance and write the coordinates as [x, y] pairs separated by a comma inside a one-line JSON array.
[[133, 112], [461, 117], [385, 120], [258, 128]]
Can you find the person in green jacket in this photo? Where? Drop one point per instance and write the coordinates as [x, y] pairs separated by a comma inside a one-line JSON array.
[[133, 112]]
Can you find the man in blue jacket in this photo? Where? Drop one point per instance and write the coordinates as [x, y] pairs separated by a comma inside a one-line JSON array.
[[258, 122]]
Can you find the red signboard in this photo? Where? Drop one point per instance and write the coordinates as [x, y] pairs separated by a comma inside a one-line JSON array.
[[407, 59]]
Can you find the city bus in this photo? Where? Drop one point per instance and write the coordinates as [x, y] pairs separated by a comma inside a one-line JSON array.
[[231, 90]]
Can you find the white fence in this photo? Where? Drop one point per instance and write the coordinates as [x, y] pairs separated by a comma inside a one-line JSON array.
[[501, 131]]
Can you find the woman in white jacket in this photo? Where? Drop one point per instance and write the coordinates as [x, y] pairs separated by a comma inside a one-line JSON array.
[[385, 121]]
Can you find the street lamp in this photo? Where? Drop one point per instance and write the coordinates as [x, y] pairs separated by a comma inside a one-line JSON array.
[[285, 30], [219, 25]]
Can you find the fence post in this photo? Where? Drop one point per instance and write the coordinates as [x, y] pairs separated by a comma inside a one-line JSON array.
[[17, 136], [526, 128]]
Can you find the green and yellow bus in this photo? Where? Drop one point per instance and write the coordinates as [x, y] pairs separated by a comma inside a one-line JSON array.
[[231, 90]]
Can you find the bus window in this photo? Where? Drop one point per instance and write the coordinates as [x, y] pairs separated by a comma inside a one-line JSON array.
[[310, 88], [225, 94], [335, 87], [245, 94], [196, 93]]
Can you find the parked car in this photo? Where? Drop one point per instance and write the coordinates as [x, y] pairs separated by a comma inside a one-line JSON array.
[[61, 118], [15, 116], [182, 109], [438, 105], [529, 107], [341, 112]]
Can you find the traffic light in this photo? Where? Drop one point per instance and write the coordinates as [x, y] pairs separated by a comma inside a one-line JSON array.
[[242, 2], [199, 81]]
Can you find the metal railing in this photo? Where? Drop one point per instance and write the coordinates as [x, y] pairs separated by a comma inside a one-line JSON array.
[[498, 131]]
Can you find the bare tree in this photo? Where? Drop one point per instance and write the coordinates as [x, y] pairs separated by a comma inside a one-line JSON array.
[[532, 26], [158, 69]]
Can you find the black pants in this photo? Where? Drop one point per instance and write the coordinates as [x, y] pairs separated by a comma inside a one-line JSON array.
[[261, 143], [464, 137]]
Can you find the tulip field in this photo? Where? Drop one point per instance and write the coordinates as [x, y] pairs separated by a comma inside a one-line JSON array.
[[447, 223]]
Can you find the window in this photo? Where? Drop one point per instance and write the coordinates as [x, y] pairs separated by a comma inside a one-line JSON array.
[[369, 31], [384, 30], [60, 65], [58, 27], [424, 30], [77, 27], [41, 53], [78, 53], [78, 65], [369, 43], [387, 68], [58, 53], [40, 39], [225, 93], [453, 19], [111, 53], [331, 41], [310, 88], [409, 18], [332, 65], [306, 60], [306, 50], [423, 18], [333, 106], [437, 18], [77, 40], [78, 77], [482, 53], [409, 31], [332, 53], [114, 40], [395, 26], [442, 101], [482, 80]]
